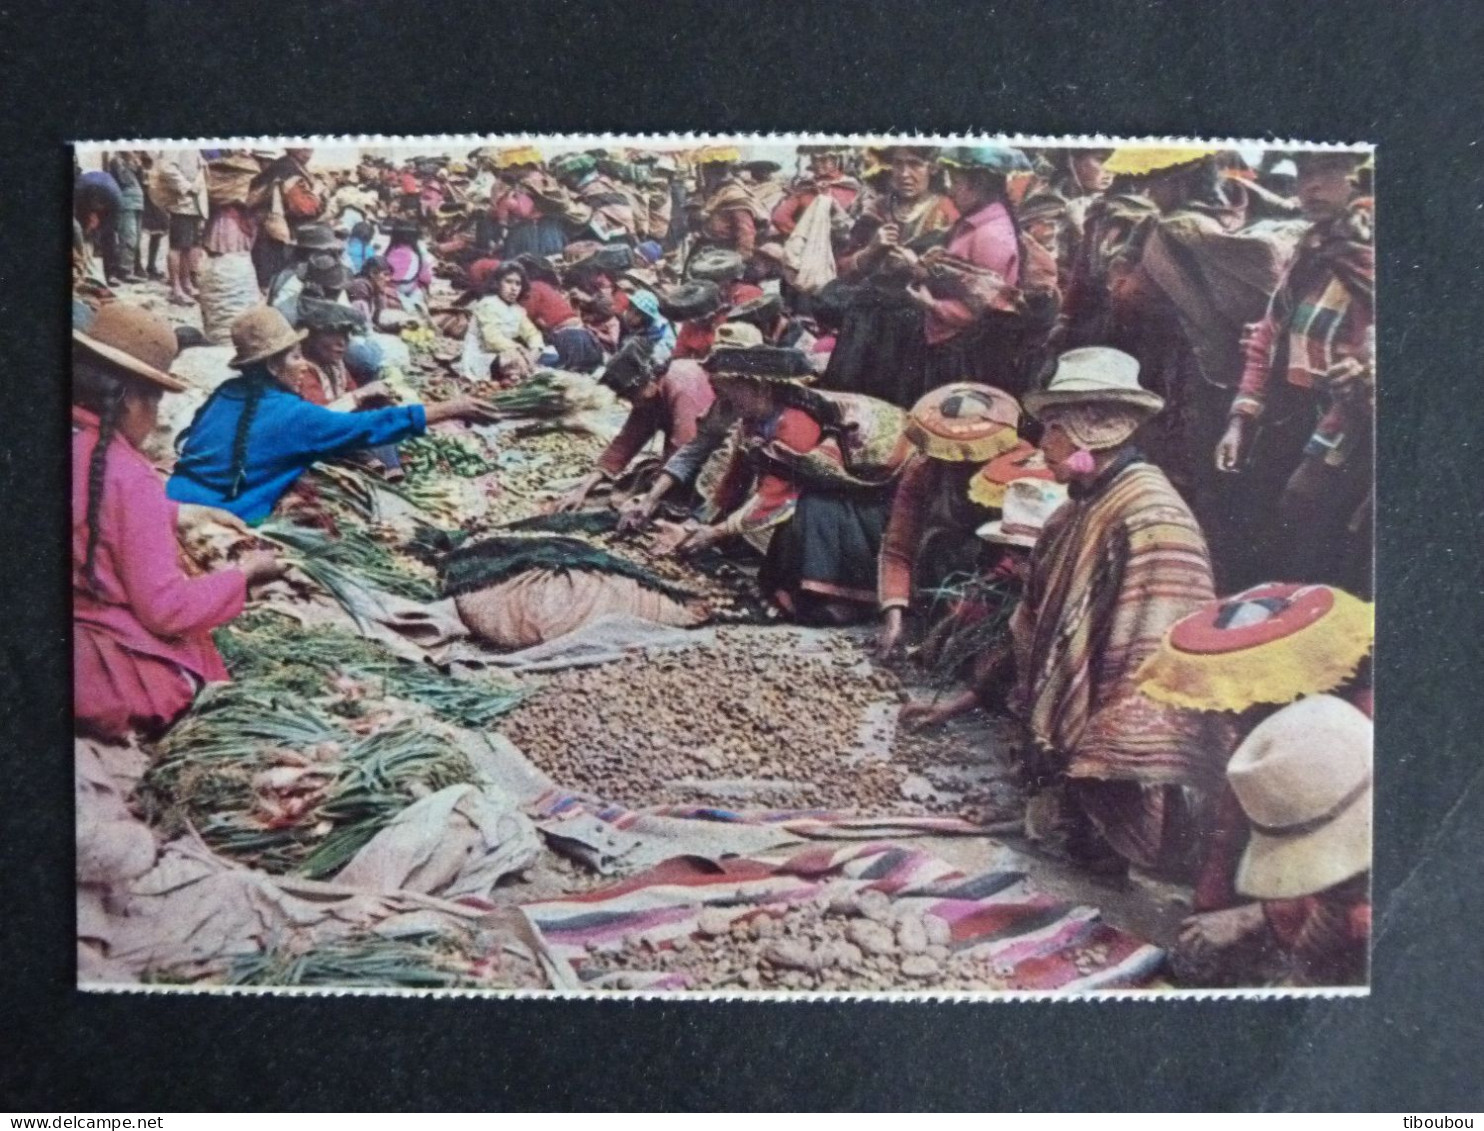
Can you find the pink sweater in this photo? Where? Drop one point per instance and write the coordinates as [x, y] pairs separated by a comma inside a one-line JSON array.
[[148, 623]]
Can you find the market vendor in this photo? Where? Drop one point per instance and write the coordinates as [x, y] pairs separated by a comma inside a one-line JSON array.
[[930, 535], [970, 298], [813, 475], [718, 268], [1243, 659], [142, 643], [725, 212], [1026, 504], [1118, 776], [713, 430], [1303, 778], [668, 402], [255, 436], [502, 343]]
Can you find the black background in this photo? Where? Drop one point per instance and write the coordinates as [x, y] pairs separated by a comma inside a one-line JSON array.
[[1405, 76]]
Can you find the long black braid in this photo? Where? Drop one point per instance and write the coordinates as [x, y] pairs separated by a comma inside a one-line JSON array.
[[258, 379], [103, 394]]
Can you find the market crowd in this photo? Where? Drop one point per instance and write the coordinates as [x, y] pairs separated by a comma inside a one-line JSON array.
[[1116, 402]]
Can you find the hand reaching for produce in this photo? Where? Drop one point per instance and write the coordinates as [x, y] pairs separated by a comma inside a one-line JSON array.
[[634, 515], [574, 498], [671, 537], [261, 566], [889, 638], [461, 408], [926, 713]]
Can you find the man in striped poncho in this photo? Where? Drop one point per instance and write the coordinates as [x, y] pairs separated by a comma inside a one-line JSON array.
[[1113, 569]]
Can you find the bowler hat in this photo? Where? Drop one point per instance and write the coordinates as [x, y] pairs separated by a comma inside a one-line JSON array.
[[261, 333], [135, 340], [316, 237]]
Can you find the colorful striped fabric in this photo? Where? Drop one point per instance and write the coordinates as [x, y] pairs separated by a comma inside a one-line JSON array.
[[1033, 941]]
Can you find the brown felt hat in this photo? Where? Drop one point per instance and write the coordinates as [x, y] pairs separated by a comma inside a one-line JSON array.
[[261, 333], [133, 339]]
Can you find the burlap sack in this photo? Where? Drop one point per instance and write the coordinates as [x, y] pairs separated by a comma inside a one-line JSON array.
[[538, 606]]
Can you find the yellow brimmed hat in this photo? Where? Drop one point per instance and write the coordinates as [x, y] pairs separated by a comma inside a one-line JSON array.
[[1141, 161], [717, 155], [520, 155], [1270, 644], [1023, 461], [964, 422], [1304, 779]]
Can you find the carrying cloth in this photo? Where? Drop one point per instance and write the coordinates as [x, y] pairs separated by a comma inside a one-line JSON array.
[[809, 252]]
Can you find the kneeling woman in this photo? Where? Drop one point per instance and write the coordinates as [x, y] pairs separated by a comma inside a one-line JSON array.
[[255, 436], [141, 634], [814, 471]]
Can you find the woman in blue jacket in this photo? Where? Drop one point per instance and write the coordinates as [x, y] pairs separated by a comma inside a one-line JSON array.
[[254, 437]]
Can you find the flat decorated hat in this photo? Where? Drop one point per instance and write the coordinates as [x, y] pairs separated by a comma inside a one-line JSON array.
[[519, 155], [1144, 160], [1023, 461], [1272, 643], [964, 422], [716, 265], [695, 299]]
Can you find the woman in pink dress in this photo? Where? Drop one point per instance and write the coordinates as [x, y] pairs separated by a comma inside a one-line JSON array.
[[141, 628]]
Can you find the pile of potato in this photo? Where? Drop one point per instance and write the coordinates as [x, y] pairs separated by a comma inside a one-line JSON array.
[[841, 940], [761, 718]]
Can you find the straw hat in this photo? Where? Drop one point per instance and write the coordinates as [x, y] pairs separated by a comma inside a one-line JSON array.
[[1023, 461], [1303, 777], [1028, 507], [964, 422], [1141, 161], [261, 333], [131, 338], [1270, 644], [1094, 375]]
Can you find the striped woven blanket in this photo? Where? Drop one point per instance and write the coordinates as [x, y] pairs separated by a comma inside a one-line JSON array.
[[1034, 942]]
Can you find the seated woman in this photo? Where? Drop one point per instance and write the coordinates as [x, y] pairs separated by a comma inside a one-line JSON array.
[[412, 266], [930, 535], [814, 474], [670, 404], [502, 343], [577, 347], [141, 628], [255, 435], [373, 295]]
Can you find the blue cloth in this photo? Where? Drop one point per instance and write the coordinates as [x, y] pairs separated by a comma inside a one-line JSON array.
[[288, 434], [357, 252], [658, 331]]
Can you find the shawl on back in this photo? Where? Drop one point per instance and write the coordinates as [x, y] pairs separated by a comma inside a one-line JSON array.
[[1111, 572]]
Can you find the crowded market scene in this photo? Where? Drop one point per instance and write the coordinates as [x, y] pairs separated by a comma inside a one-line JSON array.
[[761, 565]]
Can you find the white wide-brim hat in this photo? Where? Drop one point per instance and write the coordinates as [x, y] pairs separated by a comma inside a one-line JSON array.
[[1303, 777], [1028, 507], [1094, 375]]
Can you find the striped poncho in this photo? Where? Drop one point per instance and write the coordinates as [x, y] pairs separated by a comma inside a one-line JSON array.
[[1113, 569]]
